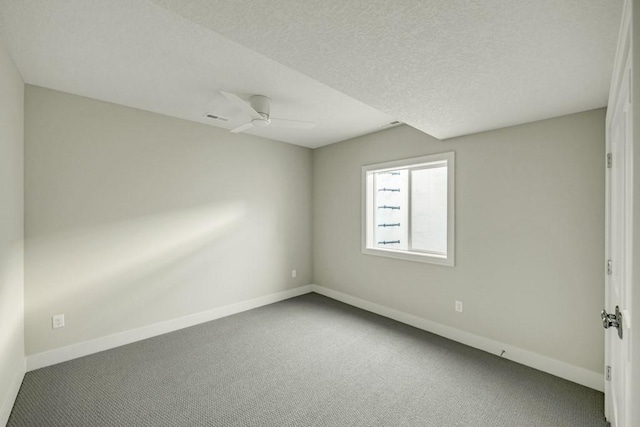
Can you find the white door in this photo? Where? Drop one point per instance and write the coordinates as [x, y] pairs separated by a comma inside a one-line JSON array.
[[618, 242]]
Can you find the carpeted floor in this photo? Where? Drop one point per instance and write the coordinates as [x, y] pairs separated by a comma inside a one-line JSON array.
[[307, 361]]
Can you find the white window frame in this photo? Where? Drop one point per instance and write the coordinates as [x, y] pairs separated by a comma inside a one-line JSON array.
[[368, 209]]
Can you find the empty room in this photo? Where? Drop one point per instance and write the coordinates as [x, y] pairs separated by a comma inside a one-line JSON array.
[[285, 213]]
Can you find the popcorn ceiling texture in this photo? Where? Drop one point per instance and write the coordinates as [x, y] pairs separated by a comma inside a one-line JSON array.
[[445, 67]]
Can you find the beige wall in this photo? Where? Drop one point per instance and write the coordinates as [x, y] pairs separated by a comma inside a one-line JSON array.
[[529, 234], [133, 218], [11, 229]]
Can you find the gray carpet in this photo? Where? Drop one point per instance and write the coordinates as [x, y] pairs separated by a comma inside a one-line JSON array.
[[307, 361]]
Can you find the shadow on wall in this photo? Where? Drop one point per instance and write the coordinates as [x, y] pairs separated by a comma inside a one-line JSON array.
[[11, 313], [86, 264]]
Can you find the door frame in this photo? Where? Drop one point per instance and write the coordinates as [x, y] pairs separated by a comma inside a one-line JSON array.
[[623, 64]]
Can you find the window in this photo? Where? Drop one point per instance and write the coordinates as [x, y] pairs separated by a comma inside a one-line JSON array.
[[408, 208]]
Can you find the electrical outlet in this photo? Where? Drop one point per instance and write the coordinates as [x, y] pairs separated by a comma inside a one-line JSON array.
[[458, 306], [294, 274], [57, 321]]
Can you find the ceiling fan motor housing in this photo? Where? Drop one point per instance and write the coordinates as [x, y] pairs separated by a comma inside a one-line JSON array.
[[262, 104]]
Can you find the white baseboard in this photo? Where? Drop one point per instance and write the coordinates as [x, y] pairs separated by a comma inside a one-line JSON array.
[[534, 360], [14, 387], [555, 367], [47, 358]]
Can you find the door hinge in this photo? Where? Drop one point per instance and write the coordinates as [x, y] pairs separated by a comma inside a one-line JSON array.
[[609, 267], [609, 160], [607, 374]]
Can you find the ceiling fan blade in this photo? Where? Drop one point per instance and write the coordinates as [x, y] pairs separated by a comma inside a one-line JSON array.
[[292, 124], [242, 128], [242, 104]]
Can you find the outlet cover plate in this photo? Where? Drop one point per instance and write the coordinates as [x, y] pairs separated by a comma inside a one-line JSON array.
[[57, 321], [458, 306]]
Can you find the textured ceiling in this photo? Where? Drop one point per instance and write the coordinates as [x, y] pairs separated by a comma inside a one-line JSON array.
[[446, 67], [138, 54]]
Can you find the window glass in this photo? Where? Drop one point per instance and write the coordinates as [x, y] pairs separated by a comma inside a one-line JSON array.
[[408, 209], [391, 209], [429, 209]]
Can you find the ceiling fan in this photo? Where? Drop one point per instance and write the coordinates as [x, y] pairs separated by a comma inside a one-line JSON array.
[[258, 108]]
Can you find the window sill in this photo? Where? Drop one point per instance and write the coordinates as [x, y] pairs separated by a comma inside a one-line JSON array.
[[411, 256]]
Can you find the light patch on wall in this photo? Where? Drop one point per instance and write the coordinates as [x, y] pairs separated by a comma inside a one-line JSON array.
[[86, 260]]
